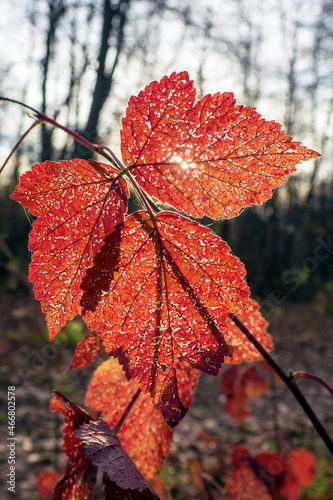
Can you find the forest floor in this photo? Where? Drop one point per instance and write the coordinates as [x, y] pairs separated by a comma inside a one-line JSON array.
[[199, 461]]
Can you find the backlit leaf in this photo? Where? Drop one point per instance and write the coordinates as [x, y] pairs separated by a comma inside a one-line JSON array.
[[77, 203], [159, 293], [208, 157]]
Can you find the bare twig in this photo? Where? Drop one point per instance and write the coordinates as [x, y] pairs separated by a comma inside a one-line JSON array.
[[295, 376], [126, 412]]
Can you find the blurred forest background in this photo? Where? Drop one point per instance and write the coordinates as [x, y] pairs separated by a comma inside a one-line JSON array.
[[79, 62]]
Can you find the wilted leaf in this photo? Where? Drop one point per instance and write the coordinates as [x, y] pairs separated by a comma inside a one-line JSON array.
[[121, 476]]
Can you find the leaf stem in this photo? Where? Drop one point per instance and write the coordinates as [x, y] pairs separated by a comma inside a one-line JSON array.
[[126, 412], [290, 383], [97, 148]]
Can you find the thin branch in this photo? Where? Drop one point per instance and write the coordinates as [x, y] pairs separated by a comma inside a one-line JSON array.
[[7, 99], [290, 383], [126, 412]]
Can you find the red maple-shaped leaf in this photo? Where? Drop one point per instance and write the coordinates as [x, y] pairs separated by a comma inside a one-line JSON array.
[[87, 350], [79, 479], [211, 157], [121, 477], [77, 203], [244, 350], [144, 435], [159, 293]]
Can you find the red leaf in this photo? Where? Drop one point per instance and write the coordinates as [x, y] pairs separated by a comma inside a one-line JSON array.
[[79, 480], [244, 350], [74, 417], [77, 203], [238, 385], [239, 456], [301, 465], [123, 480], [144, 435], [209, 157], [160, 293], [87, 350]]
